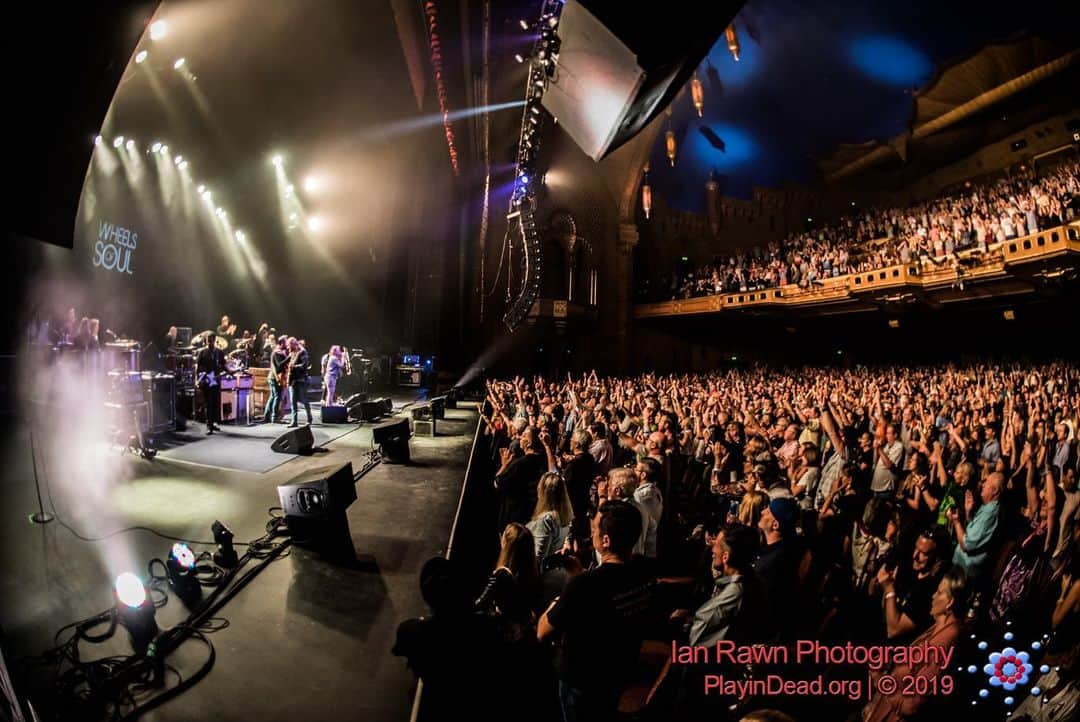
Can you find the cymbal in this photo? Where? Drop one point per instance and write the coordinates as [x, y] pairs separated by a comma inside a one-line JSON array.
[[220, 342]]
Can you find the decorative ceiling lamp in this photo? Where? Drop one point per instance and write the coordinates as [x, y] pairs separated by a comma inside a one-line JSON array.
[[697, 93], [646, 193], [669, 139], [732, 41]]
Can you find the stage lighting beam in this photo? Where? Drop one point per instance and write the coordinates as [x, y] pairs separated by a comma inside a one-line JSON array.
[[140, 56], [158, 29]]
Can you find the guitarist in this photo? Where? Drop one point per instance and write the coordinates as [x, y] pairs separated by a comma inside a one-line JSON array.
[[209, 366], [299, 364], [279, 371]]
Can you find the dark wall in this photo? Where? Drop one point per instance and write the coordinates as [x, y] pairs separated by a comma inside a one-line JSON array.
[[978, 329]]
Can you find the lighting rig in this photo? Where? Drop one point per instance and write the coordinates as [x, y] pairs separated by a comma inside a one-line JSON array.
[[542, 66]]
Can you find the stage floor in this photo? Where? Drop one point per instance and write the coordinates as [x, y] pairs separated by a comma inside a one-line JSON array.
[[307, 639]]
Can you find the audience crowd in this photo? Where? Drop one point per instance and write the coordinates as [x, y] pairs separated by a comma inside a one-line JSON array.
[[871, 506], [974, 217]]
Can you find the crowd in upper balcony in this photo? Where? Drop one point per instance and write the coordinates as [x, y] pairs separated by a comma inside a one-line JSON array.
[[975, 216]]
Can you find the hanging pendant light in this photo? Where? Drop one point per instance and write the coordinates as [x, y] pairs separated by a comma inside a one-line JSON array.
[[646, 193], [669, 142], [732, 41], [697, 93]]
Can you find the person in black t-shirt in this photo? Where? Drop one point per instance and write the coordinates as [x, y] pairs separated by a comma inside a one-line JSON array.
[[517, 478], [601, 617], [906, 591], [580, 474]]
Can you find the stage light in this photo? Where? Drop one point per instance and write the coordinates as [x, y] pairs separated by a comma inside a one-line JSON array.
[[200, 189], [178, 159], [155, 147], [130, 145], [552, 21], [225, 556], [183, 165], [158, 29], [240, 237], [182, 557], [130, 590], [313, 183], [118, 141], [314, 224], [135, 611], [292, 216], [180, 568], [97, 140], [517, 57], [277, 160], [524, 24], [141, 56], [179, 63], [165, 149], [894, 323], [1010, 315]]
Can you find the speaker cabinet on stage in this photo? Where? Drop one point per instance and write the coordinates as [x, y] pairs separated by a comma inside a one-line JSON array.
[[392, 438], [438, 407], [335, 415], [355, 400], [295, 441], [314, 505], [424, 427], [366, 411]]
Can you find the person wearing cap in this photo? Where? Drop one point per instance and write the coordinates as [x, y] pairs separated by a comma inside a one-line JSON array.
[[777, 562]]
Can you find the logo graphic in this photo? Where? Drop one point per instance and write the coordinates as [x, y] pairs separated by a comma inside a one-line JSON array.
[[114, 248]]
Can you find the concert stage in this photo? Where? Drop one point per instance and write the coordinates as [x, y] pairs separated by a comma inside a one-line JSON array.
[[307, 639]]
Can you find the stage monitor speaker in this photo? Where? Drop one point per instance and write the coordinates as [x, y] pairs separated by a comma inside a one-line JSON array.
[[335, 415], [423, 412], [314, 505], [295, 441], [366, 411], [438, 407], [393, 440], [355, 400], [424, 427], [387, 404], [620, 64]]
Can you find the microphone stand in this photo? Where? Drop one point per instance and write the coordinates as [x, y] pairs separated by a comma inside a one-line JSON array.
[[40, 516]]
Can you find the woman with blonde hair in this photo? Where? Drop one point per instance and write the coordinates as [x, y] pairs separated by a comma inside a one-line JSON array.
[[751, 506], [550, 524]]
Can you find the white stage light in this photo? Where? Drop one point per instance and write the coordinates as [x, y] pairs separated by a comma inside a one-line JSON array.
[[130, 145], [118, 141], [314, 224], [201, 188], [158, 29], [312, 183], [179, 63], [155, 147], [277, 160], [141, 56], [97, 140], [178, 159], [130, 590], [183, 165]]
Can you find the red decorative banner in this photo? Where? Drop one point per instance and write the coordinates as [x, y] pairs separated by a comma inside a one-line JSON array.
[[440, 86]]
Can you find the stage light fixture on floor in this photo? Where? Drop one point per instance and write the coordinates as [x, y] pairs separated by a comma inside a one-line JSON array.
[[225, 556], [141, 56], [135, 611], [180, 567], [158, 30]]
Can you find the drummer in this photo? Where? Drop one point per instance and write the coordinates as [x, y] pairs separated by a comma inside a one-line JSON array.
[[169, 343]]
